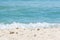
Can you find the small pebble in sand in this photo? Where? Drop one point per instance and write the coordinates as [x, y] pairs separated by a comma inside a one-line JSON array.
[[11, 32], [16, 32], [17, 28], [24, 29], [34, 35], [38, 29]]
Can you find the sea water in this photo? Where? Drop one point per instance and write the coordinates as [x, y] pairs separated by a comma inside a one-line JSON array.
[[29, 13]]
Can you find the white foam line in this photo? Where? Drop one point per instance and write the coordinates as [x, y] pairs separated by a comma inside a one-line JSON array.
[[29, 25]]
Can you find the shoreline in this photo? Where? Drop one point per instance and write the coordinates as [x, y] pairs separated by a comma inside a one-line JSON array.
[[30, 34]]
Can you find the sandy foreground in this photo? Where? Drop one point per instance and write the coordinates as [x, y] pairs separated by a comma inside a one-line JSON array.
[[30, 34]]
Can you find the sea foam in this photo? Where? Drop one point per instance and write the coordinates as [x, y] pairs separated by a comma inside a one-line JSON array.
[[28, 25]]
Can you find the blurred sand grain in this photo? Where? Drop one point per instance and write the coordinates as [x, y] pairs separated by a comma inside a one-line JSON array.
[[30, 34]]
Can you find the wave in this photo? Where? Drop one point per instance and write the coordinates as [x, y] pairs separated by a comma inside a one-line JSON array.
[[28, 25]]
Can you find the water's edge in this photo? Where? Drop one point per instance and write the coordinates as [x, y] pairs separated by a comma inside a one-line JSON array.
[[29, 25]]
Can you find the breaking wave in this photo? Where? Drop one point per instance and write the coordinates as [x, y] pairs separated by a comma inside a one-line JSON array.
[[28, 25]]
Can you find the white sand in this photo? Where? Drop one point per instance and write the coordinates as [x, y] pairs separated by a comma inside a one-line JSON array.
[[30, 34]]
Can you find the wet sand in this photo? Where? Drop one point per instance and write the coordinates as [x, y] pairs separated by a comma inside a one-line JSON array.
[[30, 34]]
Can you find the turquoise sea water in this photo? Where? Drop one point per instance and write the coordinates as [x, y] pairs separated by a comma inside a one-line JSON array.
[[30, 11]]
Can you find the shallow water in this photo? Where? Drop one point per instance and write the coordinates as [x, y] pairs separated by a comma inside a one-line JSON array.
[[32, 11]]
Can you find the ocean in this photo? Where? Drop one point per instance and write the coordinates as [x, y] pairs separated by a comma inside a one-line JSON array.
[[29, 13]]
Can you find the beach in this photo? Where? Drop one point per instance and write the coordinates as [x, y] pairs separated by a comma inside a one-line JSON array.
[[30, 34], [29, 19]]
